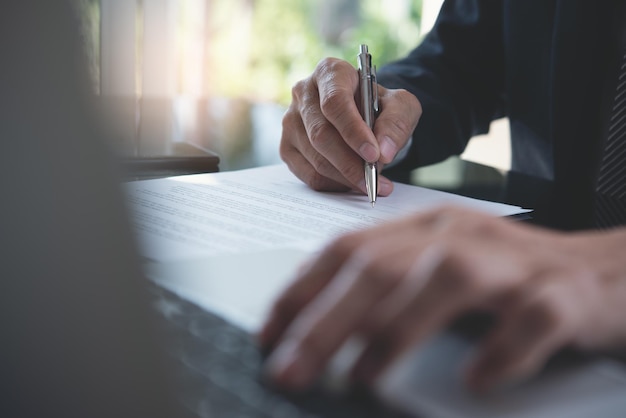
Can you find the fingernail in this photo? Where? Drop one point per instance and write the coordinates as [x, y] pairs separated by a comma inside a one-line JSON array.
[[388, 149], [288, 367], [368, 152]]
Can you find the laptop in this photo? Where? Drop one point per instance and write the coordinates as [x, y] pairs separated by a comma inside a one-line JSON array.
[[86, 335]]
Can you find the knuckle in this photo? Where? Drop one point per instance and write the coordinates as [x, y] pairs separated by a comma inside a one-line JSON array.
[[544, 315], [335, 102], [321, 164], [317, 181], [403, 111], [352, 172], [410, 99], [352, 125], [316, 344], [446, 211], [367, 269], [458, 221], [457, 276], [400, 126], [285, 149], [484, 226], [329, 66], [441, 217], [289, 125], [319, 133], [289, 120], [345, 245], [324, 64], [300, 89], [376, 276]]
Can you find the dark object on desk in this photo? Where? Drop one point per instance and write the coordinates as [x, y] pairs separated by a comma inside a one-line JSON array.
[[185, 158]]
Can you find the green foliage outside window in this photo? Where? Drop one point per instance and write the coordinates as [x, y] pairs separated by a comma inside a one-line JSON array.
[[287, 40]]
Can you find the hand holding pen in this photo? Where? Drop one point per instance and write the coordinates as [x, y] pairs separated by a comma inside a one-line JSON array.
[[325, 140]]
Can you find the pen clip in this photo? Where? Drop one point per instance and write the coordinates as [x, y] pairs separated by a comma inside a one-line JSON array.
[[368, 86], [375, 90]]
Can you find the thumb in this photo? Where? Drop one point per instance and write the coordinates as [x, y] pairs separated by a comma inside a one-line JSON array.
[[400, 113]]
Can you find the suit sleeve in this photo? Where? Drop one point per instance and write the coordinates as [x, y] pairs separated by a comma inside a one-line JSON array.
[[457, 73]]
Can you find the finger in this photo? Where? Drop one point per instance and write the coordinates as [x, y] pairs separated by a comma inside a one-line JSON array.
[[321, 175], [295, 147], [452, 276], [410, 314], [302, 168], [400, 114], [538, 323], [337, 83], [323, 146], [328, 152], [336, 314], [306, 286], [321, 270]]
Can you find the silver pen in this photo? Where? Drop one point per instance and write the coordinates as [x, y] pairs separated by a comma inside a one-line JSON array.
[[368, 108]]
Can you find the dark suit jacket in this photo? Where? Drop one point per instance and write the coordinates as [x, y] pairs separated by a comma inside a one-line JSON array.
[[540, 62]]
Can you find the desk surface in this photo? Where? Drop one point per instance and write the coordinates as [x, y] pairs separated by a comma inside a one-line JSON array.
[[476, 180]]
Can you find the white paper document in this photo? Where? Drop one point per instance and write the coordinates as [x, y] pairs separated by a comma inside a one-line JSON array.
[[192, 216]]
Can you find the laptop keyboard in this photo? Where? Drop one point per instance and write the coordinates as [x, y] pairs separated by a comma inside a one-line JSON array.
[[218, 371]]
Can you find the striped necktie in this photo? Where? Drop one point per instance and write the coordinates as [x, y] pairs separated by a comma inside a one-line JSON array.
[[611, 185]]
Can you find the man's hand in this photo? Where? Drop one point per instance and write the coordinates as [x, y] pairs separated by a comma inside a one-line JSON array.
[[325, 139], [397, 284]]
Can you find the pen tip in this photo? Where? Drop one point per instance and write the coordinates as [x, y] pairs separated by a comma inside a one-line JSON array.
[[373, 204]]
